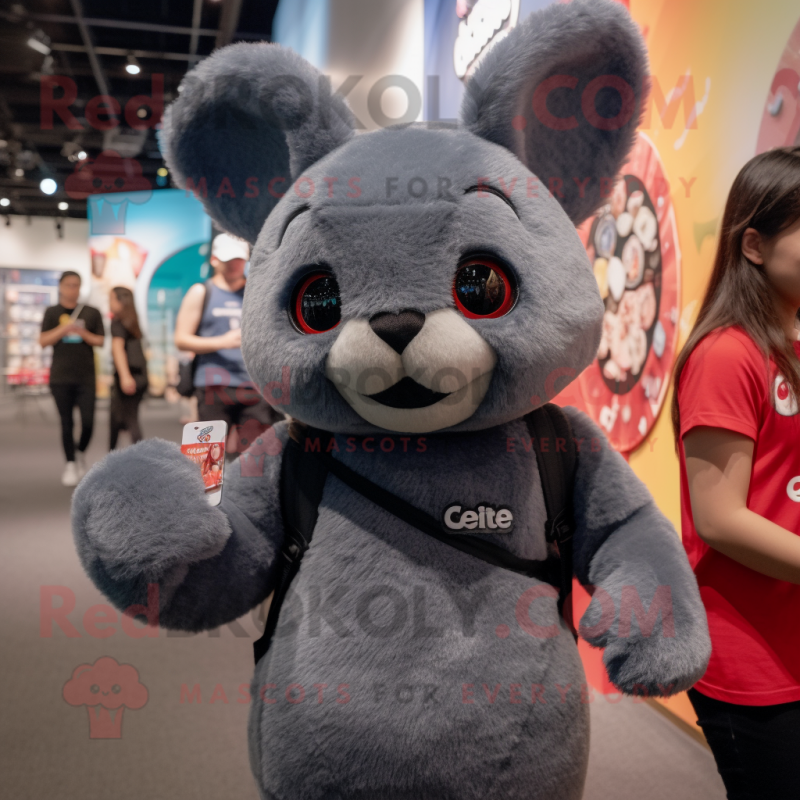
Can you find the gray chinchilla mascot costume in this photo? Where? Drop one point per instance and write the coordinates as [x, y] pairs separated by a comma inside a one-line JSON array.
[[413, 291]]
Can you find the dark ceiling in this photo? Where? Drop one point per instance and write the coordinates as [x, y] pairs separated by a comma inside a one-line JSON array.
[[90, 43]]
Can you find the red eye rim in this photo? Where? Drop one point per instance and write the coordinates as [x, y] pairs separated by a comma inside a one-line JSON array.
[[509, 300], [298, 298]]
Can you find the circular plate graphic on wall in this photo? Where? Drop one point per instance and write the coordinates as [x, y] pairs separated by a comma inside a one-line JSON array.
[[780, 123], [632, 243]]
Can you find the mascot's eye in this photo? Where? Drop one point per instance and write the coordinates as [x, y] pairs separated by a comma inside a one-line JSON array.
[[94, 688], [116, 688], [316, 305], [483, 289]]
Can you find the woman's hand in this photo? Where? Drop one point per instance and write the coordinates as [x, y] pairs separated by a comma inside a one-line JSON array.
[[128, 385], [231, 339]]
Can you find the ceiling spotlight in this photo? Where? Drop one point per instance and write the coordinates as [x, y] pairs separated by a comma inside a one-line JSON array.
[[62, 206], [40, 43], [48, 186], [132, 67], [19, 172], [4, 201]]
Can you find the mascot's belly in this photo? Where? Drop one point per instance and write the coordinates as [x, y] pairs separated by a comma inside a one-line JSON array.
[[403, 668]]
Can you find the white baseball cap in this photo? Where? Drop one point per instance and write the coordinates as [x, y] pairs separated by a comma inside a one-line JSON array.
[[226, 248]]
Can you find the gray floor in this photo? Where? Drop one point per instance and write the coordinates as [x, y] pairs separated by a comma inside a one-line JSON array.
[[171, 748]]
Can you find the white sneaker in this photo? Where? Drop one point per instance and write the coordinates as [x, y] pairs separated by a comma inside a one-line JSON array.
[[80, 461], [70, 475]]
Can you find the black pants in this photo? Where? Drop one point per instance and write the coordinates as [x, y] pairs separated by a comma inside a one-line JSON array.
[[124, 415], [245, 411], [67, 396], [757, 748]]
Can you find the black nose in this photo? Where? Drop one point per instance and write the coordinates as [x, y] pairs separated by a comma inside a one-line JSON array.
[[397, 330]]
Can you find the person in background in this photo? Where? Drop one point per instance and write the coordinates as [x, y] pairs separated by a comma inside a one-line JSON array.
[[737, 431], [73, 330], [213, 462], [172, 393], [130, 366], [208, 324]]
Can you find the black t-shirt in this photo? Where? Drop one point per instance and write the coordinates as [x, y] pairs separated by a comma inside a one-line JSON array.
[[73, 359], [133, 349]]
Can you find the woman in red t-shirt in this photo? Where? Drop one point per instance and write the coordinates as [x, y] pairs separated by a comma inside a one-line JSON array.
[[737, 430]]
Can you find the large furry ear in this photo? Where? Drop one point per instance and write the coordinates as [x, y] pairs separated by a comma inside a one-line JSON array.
[[248, 121], [565, 92]]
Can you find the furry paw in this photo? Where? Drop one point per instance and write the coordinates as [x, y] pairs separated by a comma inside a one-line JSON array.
[[142, 513], [655, 644], [654, 666]]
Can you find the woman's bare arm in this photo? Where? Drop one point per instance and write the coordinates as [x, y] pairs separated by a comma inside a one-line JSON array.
[[718, 467], [188, 320]]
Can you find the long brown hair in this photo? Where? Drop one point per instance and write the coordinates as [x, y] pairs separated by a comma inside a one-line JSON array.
[[765, 196], [127, 316], [209, 461]]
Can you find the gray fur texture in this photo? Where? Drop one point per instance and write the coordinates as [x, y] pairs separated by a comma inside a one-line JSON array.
[[243, 115], [400, 252], [403, 668], [584, 41], [623, 535]]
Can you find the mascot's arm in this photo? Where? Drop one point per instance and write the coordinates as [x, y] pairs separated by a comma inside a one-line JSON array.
[[140, 518], [646, 609]]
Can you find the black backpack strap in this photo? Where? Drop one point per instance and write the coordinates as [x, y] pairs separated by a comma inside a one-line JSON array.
[[547, 571], [302, 481], [554, 445], [304, 471], [206, 299]]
